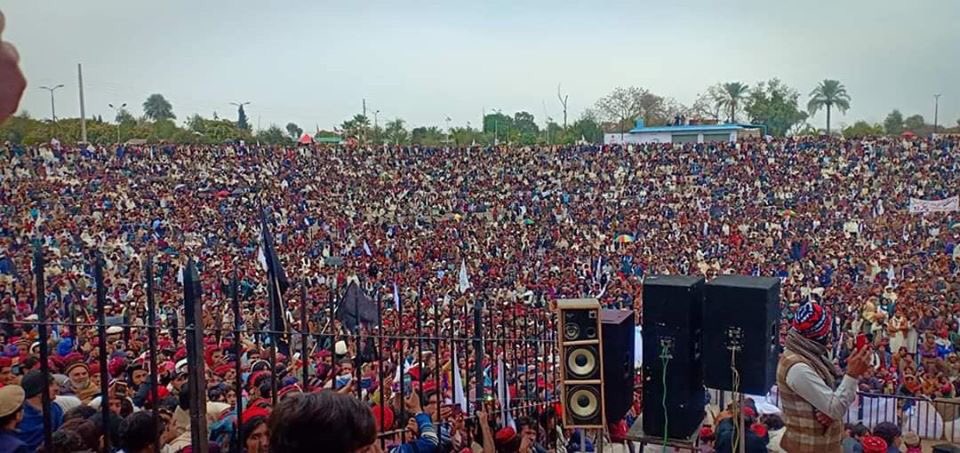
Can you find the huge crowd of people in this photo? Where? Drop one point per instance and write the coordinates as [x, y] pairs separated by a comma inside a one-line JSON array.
[[529, 225]]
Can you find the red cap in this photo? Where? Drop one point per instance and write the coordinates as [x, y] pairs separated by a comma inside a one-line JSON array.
[[873, 444], [505, 435], [387, 416]]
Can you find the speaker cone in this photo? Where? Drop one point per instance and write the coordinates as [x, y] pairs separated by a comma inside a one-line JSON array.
[[571, 331], [584, 402], [582, 361]]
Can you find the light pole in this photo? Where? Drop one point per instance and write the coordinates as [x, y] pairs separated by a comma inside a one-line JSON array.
[[117, 111], [53, 106], [936, 111], [376, 122], [448, 131]]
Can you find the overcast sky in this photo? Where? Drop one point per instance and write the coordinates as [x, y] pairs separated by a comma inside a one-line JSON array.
[[311, 62]]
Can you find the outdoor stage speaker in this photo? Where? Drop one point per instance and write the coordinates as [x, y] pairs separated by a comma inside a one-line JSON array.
[[673, 393], [742, 326], [581, 363], [617, 334]]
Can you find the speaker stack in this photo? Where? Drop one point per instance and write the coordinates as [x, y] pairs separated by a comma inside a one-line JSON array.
[[742, 332], [581, 363], [672, 369]]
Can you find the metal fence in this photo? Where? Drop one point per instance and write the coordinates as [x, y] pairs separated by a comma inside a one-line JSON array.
[[478, 334], [933, 419]]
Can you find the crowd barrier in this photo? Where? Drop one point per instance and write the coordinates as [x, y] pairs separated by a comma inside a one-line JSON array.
[[527, 346]]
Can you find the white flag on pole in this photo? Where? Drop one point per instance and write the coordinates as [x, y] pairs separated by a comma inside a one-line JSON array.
[[464, 277], [366, 248], [458, 395], [396, 297], [503, 395]]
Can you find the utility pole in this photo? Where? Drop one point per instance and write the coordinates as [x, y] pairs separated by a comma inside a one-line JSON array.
[[117, 111], [376, 125], [563, 104], [83, 113], [362, 138], [53, 105], [496, 128], [936, 111], [448, 131]]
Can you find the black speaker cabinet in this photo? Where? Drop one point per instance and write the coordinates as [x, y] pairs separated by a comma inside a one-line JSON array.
[[618, 362], [581, 363], [742, 322], [672, 371]]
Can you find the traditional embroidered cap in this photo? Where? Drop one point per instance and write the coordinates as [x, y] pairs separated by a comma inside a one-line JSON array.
[[813, 322], [873, 444]]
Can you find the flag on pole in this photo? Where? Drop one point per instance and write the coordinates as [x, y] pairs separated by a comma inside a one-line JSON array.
[[366, 248], [464, 284], [277, 282], [458, 395], [596, 275], [396, 297]]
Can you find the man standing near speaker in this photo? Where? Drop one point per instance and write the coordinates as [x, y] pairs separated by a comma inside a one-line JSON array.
[[813, 405]]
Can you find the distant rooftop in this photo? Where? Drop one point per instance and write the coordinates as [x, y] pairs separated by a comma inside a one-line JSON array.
[[692, 128]]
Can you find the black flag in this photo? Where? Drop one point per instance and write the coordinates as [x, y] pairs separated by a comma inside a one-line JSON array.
[[277, 282], [357, 308]]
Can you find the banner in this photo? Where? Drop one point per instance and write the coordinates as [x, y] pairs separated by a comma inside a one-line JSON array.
[[918, 206]]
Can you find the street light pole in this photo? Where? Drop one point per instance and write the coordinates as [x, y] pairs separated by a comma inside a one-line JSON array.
[[936, 111], [116, 111], [448, 131], [496, 128], [376, 122], [53, 106], [239, 106]]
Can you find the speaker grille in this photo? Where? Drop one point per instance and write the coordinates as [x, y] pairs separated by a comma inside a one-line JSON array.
[[583, 403], [583, 362], [579, 325]]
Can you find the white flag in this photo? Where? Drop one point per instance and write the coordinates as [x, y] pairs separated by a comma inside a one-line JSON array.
[[464, 277], [366, 248], [458, 396], [396, 297], [262, 258]]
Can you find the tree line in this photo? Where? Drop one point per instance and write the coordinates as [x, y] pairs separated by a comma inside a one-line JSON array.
[[771, 104]]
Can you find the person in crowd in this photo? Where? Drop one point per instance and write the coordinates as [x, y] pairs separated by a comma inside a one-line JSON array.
[[31, 426], [890, 433], [332, 421], [852, 442], [911, 442], [775, 430], [11, 412], [255, 437], [139, 433], [873, 444], [813, 403]]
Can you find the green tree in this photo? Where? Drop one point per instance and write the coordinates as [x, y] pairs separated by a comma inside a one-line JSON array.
[[427, 136], [242, 122], [914, 123], [498, 126], [294, 131], [157, 108], [862, 129], [394, 131], [625, 105], [775, 106], [525, 128], [272, 135], [357, 126], [829, 94], [732, 95], [709, 104], [893, 123], [125, 117], [585, 128]]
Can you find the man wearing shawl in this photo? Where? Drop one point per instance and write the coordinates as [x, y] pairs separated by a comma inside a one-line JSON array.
[[813, 403]]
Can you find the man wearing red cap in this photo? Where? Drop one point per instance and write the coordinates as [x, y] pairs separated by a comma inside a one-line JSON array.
[[812, 402]]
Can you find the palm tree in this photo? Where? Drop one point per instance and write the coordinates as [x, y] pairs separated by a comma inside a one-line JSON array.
[[733, 93], [829, 93]]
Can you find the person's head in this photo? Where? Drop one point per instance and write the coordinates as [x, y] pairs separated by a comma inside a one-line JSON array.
[[138, 431], [527, 427], [346, 367], [79, 375], [772, 421], [889, 432], [340, 423], [11, 406], [813, 322], [858, 431], [139, 376], [65, 441], [255, 436], [87, 430], [32, 384]]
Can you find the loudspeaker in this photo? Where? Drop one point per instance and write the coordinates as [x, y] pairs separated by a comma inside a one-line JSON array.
[[617, 334], [581, 363], [743, 326], [672, 371]]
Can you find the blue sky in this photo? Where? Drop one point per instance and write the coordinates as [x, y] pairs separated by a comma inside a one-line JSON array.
[[311, 62]]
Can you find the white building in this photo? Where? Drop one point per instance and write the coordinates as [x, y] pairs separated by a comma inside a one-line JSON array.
[[696, 133]]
